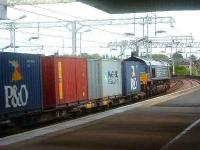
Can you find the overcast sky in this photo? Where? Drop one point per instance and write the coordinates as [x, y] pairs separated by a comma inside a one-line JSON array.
[[187, 22]]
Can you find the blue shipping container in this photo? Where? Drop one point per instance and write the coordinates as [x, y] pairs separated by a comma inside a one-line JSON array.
[[20, 84], [131, 77]]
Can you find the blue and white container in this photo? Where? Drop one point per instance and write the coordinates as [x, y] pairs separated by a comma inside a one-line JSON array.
[[131, 77], [20, 84]]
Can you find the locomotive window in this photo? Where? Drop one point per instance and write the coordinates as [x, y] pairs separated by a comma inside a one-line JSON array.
[[153, 72]]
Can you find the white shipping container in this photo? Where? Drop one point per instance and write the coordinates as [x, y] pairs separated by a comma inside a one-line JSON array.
[[104, 78], [111, 78]]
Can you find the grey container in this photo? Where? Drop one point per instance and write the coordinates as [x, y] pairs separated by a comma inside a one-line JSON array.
[[94, 79], [104, 78]]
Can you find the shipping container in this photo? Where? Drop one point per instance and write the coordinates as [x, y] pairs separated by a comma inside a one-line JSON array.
[[131, 77], [94, 83], [64, 81], [104, 78], [20, 84], [111, 78]]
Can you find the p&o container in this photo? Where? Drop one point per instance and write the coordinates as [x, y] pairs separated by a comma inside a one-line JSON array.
[[20, 84], [65, 81], [131, 77]]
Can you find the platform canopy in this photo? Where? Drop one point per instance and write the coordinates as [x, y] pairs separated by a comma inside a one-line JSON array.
[[131, 6]]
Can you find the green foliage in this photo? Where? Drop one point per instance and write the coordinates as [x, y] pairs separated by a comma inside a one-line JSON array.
[[34, 2], [194, 58], [178, 57], [181, 70], [93, 56], [184, 70], [160, 57]]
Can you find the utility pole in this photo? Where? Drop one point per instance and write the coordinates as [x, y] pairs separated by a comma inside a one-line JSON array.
[[173, 64], [74, 31], [190, 62], [12, 36], [134, 26], [155, 25]]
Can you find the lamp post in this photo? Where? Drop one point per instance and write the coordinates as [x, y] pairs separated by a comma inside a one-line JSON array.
[[173, 64], [12, 32], [190, 60], [89, 30], [38, 34], [172, 59]]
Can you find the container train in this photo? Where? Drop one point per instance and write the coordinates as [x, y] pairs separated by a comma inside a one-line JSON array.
[[36, 88]]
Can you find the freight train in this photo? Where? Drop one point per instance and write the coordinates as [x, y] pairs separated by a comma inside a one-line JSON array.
[[36, 88]]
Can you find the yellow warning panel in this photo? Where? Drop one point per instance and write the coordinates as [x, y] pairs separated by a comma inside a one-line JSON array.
[[143, 77], [60, 80]]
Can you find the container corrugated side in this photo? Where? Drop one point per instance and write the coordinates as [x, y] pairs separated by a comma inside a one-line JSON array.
[[20, 84], [131, 77], [111, 78], [94, 91]]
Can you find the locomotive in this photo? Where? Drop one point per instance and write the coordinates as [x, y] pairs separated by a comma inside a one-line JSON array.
[[37, 88]]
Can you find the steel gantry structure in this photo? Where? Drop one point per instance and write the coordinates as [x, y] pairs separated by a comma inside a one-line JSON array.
[[76, 26], [148, 43]]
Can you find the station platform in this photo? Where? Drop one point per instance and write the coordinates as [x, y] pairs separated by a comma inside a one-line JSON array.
[[169, 125]]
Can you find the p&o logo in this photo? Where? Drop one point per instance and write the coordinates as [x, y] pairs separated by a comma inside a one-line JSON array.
[[133, 79], [16, 96]]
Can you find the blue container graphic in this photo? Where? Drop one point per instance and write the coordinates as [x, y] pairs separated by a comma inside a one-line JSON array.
[[131, 77], [20, 84]]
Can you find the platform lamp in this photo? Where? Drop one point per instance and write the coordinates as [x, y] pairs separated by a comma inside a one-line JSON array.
[[172, 59], [12, 32], [89, 30]]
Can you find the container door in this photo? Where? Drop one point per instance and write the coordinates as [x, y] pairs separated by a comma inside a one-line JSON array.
[[81, 79], [69, 76]]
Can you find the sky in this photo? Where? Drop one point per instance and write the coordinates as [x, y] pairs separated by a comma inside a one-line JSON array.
[[59, 39]]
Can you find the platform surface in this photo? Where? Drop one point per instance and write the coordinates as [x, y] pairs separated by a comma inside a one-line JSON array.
[[153, 127]]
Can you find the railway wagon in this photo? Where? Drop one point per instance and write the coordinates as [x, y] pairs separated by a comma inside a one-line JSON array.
[[105, 78], [65, 81], [20, 85]]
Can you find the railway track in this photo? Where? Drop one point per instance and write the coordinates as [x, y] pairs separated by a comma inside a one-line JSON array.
[[175, 86]]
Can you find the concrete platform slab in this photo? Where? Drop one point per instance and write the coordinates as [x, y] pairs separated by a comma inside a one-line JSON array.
[[148, 127]]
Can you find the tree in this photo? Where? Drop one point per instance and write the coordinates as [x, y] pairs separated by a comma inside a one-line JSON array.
[[177, 57], [194, 58], [93, 56], [160, 57]]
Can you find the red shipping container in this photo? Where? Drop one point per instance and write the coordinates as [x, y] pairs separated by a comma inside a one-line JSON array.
[[64, 81]]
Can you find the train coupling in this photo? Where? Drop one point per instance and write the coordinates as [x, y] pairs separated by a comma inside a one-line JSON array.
[[89, 105], [105, 102]]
